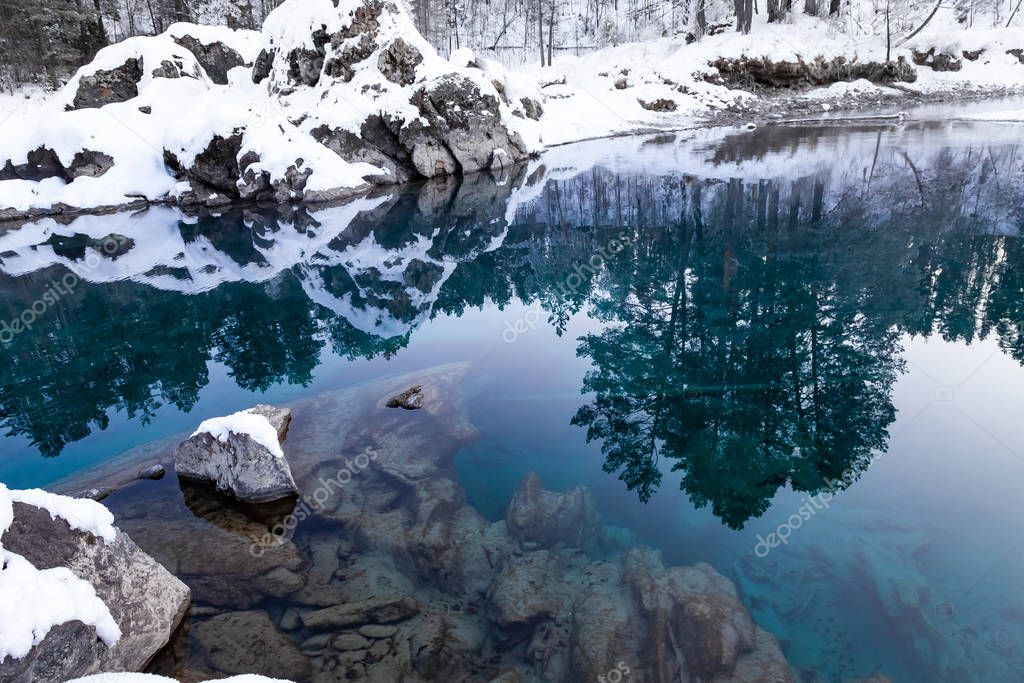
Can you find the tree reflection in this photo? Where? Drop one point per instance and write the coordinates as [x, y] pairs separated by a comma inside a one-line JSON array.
[[751, 331], [739, 356]]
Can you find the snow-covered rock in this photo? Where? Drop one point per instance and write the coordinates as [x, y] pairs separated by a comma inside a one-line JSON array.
[[338, 95], [77, 596], [371, 88], [240, 454]]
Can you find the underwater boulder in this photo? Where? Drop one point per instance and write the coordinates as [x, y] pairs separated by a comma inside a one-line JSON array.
[[541, 518]]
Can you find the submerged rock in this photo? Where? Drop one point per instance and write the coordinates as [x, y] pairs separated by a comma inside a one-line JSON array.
[[541, 518], [145, 600], [377, 610], [249, 643], [237, 462]]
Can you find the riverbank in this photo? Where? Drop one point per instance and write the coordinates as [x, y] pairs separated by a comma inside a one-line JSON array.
[[257, 132]]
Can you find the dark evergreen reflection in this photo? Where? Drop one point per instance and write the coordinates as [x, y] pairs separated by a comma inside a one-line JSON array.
[[752, 327]]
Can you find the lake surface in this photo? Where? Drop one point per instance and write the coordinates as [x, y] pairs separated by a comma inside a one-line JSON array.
[[794, 353]]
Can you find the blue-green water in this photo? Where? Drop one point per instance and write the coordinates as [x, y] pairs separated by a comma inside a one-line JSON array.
[[812, 333]]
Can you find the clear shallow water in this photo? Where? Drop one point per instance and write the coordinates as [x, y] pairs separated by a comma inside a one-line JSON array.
[[796, 317]]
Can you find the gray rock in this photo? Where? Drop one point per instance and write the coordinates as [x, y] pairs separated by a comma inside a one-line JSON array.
[[89, 163], [527, 589], [239, 466], [532, 108], [263, 65], [350, 641], [378, 610], [290, 620], [545, 517], [249, 643], [107, 86], [378, 631], [216, 58], [145, 600], [217, 166], [410, 399], [398, 62], [462, 131], [154, 472], [40, 163]]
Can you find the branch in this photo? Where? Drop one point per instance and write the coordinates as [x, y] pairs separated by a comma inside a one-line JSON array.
[[921, 27], [1015, 10]]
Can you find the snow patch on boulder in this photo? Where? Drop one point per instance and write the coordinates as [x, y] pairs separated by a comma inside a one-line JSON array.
[[33, 601], [257, 427]]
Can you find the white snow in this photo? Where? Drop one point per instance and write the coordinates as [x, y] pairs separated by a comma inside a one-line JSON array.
[[256, 427], [33, 601], [594, 95], [81, 514]]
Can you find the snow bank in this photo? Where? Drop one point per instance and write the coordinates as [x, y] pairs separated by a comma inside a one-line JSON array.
[[256, 427], [33, 601]]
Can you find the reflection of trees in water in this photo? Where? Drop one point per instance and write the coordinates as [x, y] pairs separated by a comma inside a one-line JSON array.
[[753, 339], [753, 325]]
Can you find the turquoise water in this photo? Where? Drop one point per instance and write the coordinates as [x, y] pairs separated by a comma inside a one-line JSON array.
[[811, 333]]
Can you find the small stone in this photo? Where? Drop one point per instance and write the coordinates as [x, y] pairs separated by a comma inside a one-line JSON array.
[[378, 630], [154, 472], [410, 399], [350, 641], [290, 620], [380, 649], [316, 644]]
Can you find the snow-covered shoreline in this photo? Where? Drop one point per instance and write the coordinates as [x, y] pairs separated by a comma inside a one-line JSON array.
[[284, 116]]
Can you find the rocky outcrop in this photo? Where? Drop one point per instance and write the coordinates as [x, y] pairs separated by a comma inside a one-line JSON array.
[[42, 163], [938, 61], [237, 463], [462, 121], [105, 86], [462, 132], [216, 58], [145, 600], [763, 72]]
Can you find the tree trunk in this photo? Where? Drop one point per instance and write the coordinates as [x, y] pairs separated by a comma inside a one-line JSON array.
[[744, 15], [540, 29], [551, 32]]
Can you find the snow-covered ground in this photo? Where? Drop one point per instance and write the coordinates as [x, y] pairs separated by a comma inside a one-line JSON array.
[[601, 94], [659, 84]]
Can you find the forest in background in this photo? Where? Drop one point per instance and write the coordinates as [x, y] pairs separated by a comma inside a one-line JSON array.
[[44, 41]]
